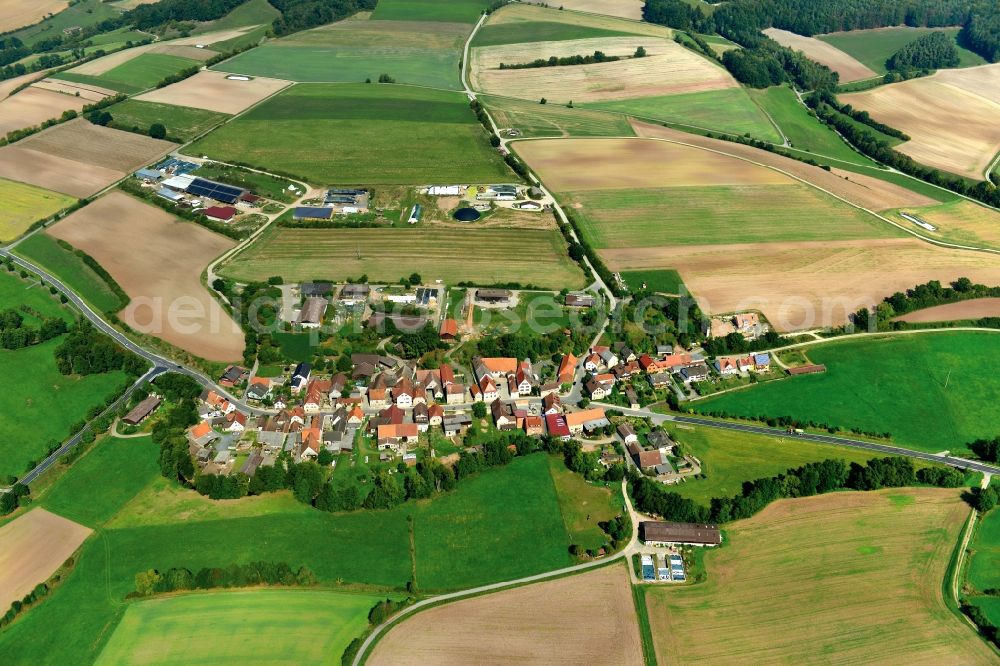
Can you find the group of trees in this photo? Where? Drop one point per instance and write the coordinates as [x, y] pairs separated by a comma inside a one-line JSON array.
[[810, 479], [554, 61], [984, 499], [987, 449], [303, 14], [932, 51], [736, 343], [15, 333], [252, 574], [922, 296], [85, 351], [37, 593]]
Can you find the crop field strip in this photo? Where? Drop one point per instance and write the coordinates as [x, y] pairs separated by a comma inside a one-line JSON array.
[[302, 626], [181, 122], [157, 260], [420, 136], [458, 11], [983, 571], [731, 111], [23, 205], [213, 91], [44, 250], [135, 75], [849, 576], [962, 222], [534, 120], [589, 618], [926, 109], [517, 14], [535, 257], [33, 106], [419, 53]]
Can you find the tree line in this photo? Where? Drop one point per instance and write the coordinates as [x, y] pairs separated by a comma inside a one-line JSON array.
[[554, 61], [15, 333], [810, 479], [922, 296], [251, 574]]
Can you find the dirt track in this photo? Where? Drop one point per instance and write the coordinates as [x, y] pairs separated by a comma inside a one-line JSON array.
[[158, 261], [32, 547], [584, 619]]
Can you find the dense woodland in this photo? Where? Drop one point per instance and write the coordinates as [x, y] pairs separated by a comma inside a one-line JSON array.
[[302, 14], [932, 51]]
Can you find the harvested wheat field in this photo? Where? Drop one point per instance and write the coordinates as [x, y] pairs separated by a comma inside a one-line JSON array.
[[158, 261], [627, 9], [584, 619], [807, 284], [823, 53], [82, 141], [489, 57], [865, 191], [611, 164], [16, 14], [8, 85], [84, 91], [960, 222], [953, 122], [53, 172], [673, 70], [839, 578], [527, 13], [32, 547], [33, 106], [212, 91], [976, 308]]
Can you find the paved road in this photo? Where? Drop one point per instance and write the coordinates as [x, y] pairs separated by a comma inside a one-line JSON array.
[[99, 323], [960, 463], [75, 439]]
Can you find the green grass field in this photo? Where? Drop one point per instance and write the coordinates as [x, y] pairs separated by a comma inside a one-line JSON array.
[[554, 120], [874, 47], [258, 626], [383, 134], [984, 566], [23, 205], [583, 505], [120, 468], [500, 524], [413, 52], [730, 458], [41, 405], [730, 111], [181, 122], [803, 131], [138, 74], [460, 11], [933, 392], [83, 14], [663, 281], [538, 31], [387, 254], [45, 251], [718, 214]]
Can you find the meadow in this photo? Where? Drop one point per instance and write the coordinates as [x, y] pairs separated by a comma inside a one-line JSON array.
[[874, 47], [718, 214], [23, 205], [387, 254], [45, 251], [730, 111], [384, 134], [933, 391], [500, 524], [414, 52], [460, 11], [85, 13], [32, 424], [259, 626], [729, 459], [983, 571], [839, 578], [803, 131], [138, 74], [182, 123], [664, 281], [539, 31], [583, 505], [534, 120]]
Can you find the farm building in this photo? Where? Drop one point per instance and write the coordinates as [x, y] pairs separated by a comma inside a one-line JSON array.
[[312, 213], [311, 315], [416, 214], [315, 289], [557, 426], [141, 411], [219, 213], [497, 193], [579, 301], [176, 167], [180, 183], [355, 197], [148, 175], [669, 534], [354, 293], [449, 330], [445, 190], [227, 194], [169, 194], [494, 296]]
